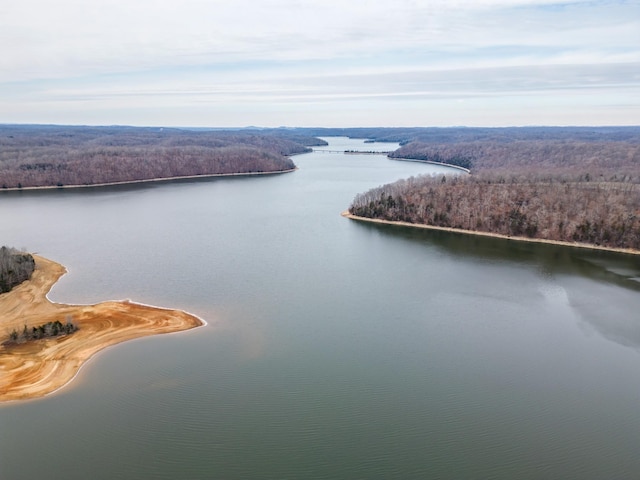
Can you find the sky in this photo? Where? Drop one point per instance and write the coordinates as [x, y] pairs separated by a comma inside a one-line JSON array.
[[333, 63]]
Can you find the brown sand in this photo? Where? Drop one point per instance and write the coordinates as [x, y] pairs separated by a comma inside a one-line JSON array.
[[346, 214], [36, 368]]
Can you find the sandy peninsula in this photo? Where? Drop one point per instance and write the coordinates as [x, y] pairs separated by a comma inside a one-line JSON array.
[[346, 214], [39, 367]]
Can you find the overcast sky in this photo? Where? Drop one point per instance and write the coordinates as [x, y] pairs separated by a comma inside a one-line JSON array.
[[320, 62]]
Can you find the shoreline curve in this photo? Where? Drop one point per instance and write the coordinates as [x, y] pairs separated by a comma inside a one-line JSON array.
[[351, 216], [431, 162], [37, 368], [147, 180]]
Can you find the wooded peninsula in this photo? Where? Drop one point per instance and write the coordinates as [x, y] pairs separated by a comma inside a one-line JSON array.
[[61, 156], [573, 185]]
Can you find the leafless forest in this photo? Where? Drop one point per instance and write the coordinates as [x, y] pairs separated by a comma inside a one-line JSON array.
[[570, 159], [571, 188], [36, 156], [15, 268]]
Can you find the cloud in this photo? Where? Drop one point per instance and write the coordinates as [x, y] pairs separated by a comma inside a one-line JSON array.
[[71, 53], [74, 38]]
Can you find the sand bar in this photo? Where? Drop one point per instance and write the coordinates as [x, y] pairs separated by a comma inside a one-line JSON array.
[[630, 251], [39, 367]]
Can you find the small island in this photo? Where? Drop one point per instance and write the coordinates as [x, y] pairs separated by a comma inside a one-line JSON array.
[[39, 365]]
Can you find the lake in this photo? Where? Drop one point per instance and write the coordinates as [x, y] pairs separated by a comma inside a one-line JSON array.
[[333, 349]]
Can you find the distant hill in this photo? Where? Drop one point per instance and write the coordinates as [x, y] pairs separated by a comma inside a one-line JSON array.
[[50, 155]]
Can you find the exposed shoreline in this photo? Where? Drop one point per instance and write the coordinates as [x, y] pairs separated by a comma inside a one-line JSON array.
[[629, 251], [38, 368], [431, 162], [147, 180]]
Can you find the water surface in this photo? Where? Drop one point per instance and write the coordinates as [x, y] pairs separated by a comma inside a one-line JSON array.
[[334, 349]]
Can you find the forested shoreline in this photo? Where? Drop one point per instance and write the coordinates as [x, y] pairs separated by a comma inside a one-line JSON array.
[[601, 214], [610, 161], [58, 156], [576, 189]]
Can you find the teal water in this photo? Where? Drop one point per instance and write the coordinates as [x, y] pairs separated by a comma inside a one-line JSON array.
[[334, 349]]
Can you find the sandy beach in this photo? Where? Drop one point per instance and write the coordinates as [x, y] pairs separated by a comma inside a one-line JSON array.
[[39, 367], [346, 214]]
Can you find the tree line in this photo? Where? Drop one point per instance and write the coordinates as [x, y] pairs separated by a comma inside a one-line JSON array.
[[36, 156], [451, 135], [595, 160], [416, 151], [46, 330], [573, 185], [598, 213], [15, 268]]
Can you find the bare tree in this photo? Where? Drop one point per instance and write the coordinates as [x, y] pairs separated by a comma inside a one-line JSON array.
[[15, 268]]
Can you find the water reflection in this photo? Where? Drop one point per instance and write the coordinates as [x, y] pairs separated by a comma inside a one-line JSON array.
[[567, 270], [98, 190], [623, 270]]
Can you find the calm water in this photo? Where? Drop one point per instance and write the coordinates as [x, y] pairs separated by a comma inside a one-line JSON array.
[[334, 349]]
